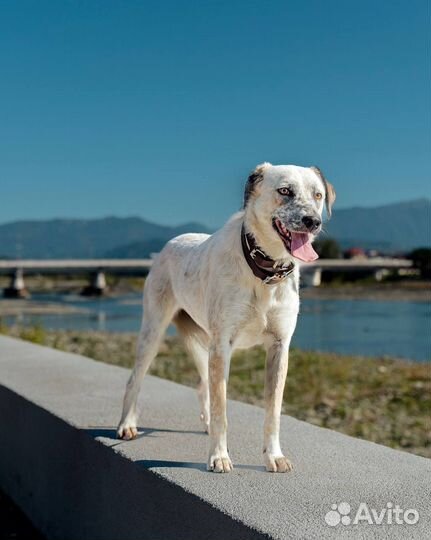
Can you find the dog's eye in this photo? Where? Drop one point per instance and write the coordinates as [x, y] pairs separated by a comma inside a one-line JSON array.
[[318, 196], [285, 191]]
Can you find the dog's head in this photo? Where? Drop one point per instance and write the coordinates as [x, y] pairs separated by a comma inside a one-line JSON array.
[[284, 205]]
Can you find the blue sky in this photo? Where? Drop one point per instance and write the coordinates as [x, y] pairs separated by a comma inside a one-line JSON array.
[[160, 109]]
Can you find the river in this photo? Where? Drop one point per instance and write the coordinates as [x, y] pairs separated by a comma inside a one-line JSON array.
[[360, 327]]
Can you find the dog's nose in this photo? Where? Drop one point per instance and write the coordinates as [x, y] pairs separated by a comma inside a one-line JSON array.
[[312, 223]]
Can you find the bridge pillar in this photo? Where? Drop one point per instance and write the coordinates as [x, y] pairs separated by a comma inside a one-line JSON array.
[[380, 274], [16, 288], [316, 277], [312, 277], [97, 286]]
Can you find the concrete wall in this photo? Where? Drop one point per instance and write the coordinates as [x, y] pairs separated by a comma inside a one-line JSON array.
[[60, 461]]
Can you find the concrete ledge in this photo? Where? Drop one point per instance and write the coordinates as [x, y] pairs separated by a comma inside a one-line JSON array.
[[60, 462]]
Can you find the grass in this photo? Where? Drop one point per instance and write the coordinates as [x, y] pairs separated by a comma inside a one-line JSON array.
[[377, 399]]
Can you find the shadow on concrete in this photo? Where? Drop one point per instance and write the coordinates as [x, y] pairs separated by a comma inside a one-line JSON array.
[[159, 463], [111, 433]]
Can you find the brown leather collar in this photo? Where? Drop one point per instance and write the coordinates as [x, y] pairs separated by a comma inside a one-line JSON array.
[[262, 266]]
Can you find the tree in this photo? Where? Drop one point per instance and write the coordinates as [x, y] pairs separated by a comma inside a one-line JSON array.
[[327, 248], [421, 258]]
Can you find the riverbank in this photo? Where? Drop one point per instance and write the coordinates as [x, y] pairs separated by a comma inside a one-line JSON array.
[[22, 306], [377, 399]]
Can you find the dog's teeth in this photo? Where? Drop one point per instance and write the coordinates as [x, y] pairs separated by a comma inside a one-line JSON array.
[[282, 229]]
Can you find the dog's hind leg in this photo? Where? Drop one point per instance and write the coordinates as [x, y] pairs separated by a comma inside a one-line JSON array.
[[196, 343], [159, 308]]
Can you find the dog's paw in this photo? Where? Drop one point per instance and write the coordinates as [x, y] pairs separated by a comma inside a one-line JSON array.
[[127, 431], [277, 463], [220, 464]]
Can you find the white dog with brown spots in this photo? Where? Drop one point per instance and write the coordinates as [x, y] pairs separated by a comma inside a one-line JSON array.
[[232, 290]]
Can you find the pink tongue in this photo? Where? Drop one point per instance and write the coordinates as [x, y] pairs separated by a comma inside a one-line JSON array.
[[301, 247]]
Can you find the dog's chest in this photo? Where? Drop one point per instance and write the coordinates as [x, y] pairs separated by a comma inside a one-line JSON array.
[[266, 314]]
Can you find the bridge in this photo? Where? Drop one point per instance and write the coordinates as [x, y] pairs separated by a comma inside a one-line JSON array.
[[379, 266], [97, 268]]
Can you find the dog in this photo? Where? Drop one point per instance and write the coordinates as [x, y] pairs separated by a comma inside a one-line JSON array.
[[233, 290]]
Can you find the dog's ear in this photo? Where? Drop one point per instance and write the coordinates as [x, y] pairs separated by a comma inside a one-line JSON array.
[[255, 177], [330, 194]]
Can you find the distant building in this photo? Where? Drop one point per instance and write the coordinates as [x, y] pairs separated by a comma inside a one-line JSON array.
[[355, 253]]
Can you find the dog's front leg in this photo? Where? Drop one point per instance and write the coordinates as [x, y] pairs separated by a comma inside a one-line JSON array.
[[219, 361], [276, 370]]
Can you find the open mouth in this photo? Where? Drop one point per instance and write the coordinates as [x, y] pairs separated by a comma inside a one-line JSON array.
[[283, 233], [296, 243]]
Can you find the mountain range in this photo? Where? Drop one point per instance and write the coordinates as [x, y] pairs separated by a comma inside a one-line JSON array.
[[394, 227], [87, 238]]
